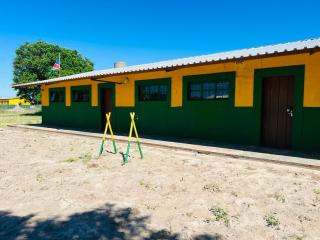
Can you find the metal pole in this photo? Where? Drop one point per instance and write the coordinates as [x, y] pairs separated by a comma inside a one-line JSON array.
[[59, 65]]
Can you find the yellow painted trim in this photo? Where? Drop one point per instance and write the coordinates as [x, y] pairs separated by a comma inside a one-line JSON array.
[[312, 82], [124, 96], [44, 95], [176, 90], [244, 84], [94, 94], [67, 86], [68, 96]]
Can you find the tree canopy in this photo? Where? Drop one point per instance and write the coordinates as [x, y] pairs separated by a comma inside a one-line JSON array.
[[34, 61]]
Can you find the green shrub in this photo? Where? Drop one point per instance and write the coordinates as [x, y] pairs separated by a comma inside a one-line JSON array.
[[271, 220], [220, 215]]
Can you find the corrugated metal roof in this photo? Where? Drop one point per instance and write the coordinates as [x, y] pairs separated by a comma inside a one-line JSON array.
[[210, 58]]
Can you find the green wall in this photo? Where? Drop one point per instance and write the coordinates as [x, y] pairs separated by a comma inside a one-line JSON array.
[[78, 115], [216, 120], [310, 134]]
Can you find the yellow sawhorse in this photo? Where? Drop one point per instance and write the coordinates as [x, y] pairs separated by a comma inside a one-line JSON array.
[[108, 125], [132, 127]]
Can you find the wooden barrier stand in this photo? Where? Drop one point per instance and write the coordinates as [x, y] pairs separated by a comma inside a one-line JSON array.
[[132, 127], [108, 125]]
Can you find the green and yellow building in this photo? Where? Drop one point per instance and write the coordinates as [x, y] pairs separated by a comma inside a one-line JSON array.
[[265, 96]]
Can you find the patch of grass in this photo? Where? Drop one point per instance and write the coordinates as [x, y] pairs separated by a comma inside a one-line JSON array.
[[304, 219], [189, 214], [293, 237], [86, 157], [28, 116], [316, 191], [271, 220], [39, 178], [145, 185], [220, 215], [279, 197], [233, 193], [213, 187], [149, 207], [44, 188], [71, 160], [250, 168], [316, 201], [93, 165]]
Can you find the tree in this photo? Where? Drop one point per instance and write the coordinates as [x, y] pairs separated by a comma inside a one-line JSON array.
[[34, 61]]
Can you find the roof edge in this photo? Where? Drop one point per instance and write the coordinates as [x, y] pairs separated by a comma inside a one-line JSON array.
[[171, 65]]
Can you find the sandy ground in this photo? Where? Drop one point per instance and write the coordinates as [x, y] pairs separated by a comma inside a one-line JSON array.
[[53, 186]]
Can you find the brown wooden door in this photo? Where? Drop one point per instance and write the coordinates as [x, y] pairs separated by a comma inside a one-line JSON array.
[[106, 104], [278, 111]]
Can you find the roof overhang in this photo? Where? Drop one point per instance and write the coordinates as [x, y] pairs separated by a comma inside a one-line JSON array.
[[307, 46]]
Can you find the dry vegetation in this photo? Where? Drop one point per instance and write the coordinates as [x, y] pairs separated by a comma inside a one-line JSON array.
[[24, 116], [53, 186]]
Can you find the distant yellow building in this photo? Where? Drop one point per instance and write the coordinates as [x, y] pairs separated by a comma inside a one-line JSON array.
[[14, 101]]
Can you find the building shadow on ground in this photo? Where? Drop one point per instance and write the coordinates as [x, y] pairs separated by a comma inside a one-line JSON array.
[[107, 222], [255, 149], [37, 113]]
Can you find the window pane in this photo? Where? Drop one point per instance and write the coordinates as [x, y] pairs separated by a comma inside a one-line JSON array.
[[208, 94], [163, 89], [208, 86], [142, 93], [195, 95], [57, 96], [154, 89], [152, 93], [195, 91], [195, 86], [163, 92], [223, 85], [53, 97], [222, 94], [61, 97], [80, 96], [85, 96], [75, 96], [146, 94], [222, 90], [208, 90]]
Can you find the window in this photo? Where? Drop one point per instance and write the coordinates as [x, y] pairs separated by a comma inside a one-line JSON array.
[[195, 91], [80, 96], [222, 90], [153, 93], [57, 96], [208, 90]]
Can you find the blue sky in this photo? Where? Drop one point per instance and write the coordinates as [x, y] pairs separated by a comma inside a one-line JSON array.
[[145, 31]]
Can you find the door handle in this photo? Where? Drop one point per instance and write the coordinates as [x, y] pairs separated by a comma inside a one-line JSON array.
[[290, 111]]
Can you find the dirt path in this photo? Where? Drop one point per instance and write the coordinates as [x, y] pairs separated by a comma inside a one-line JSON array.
[[53, 186]]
